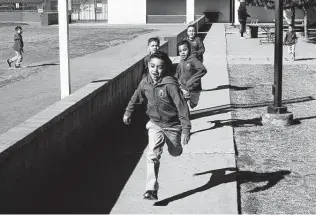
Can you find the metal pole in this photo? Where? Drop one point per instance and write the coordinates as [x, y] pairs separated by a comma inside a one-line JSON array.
[[278, 60], [64, 48]]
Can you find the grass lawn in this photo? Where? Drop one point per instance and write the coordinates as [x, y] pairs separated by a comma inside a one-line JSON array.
[[41, 44], [282, 160]]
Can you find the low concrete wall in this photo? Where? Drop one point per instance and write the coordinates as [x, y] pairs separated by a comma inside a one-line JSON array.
[[32, 152], [51, 18], [20, 16], [173, 40]]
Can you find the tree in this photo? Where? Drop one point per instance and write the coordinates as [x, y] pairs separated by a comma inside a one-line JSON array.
[[304, 5]]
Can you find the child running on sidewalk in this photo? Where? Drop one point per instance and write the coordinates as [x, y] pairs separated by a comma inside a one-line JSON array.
[[17, 47], [169, 117], [153, 46], [197, 46], [290, 40], [189, 73]]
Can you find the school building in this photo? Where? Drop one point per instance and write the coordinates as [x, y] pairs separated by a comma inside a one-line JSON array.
[[184, 11]]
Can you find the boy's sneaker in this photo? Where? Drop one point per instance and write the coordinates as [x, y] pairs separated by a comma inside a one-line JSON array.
[[9, 62], [17, 66], [151, 195]]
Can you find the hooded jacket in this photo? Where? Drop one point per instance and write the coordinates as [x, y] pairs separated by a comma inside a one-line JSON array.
[[197, 47], [18, 43], [165, 103], [189, 73], [290, 38]]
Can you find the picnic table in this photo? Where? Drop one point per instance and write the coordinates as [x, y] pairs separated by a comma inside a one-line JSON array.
[[267, 29]]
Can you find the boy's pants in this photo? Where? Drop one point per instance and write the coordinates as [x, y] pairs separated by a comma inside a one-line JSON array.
[[157, 137], [191, 97], [18, 58], [291, 49]]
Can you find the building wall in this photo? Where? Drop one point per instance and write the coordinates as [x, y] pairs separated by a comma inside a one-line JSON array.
[[222, 6], [166, 7], [126, 11]]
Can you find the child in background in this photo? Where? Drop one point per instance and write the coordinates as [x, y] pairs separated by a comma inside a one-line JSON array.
[[197, 46], [153, 46], [290, 40], [189, 73], [169, 117], [17, 47]]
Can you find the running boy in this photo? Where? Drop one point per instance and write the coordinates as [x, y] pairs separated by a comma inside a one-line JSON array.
[[197, 46], [169, 117], [17, 47], [290, 40], [153, 46], [189, 73]]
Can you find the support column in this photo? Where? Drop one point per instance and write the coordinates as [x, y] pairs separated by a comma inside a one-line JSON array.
[[190, 10], [236, 2], [64, 48]]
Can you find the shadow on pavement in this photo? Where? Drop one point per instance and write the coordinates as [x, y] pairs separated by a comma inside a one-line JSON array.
[[219, 177], [233, 123], [231, 87], [44, 64]]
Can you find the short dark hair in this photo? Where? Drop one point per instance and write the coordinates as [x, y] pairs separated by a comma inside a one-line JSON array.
[[155, 39], [191, 26], [18, 28], [164, 57]]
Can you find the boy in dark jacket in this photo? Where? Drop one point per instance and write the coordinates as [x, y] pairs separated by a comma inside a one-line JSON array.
[[153, 46], [242, 17], [169, 117], [290, 40], [197, 46], [189, 73], [17, 47]]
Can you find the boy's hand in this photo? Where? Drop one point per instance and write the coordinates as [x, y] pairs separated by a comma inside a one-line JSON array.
[[186, 94], [127, 120], [185, 139]]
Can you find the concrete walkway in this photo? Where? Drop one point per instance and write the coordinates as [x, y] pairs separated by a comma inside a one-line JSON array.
[[210, 153]]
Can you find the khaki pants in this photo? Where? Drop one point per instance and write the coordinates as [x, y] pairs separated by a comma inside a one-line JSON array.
[[157, 137], [193, 99], [291, 49], [18, 58]]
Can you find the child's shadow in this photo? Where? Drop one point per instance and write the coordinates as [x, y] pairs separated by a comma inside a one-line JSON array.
[[219, 177]]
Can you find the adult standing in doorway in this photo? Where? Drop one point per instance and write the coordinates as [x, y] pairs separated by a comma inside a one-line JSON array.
[[242, 17]]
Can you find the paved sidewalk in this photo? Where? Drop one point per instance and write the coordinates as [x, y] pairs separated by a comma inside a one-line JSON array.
[[29, 96], [210, 153]]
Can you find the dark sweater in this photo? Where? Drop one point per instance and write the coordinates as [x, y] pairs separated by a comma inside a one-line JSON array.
[[18, 43], [165, 103], [290, 38], [189, 72], [197, 47]]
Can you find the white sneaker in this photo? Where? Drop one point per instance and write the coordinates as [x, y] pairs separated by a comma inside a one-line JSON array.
[[242, 38]]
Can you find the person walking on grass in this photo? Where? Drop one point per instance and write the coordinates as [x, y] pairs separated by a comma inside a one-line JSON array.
[[17, 47], [290, 41], [189, 73], [169, 117], [242, 18], [196, 43]]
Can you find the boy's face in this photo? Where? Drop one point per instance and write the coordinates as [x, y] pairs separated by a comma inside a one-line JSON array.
[[153, 47], [290, 28], [183, 51], [191, 32], [156, 68], [19, 31]]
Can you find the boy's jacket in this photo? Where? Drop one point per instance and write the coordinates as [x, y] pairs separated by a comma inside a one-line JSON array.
[[290, 38], [189, 73], [165, 103], [18, 43], [197, 47]]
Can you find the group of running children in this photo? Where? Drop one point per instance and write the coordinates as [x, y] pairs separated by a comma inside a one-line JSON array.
[[169, 94]]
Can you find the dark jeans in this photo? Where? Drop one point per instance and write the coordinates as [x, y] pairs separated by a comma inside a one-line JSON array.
[[242, 26]]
